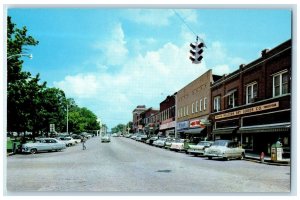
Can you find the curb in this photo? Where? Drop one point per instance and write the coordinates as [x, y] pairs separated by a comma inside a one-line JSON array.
[[268, 162]]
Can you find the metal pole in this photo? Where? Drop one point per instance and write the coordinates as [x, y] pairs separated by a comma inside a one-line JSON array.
[[67, 119]]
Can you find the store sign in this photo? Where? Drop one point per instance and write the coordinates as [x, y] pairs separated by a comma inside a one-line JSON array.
[[248, 110], [195, 123], [183, 125], [167, 125]]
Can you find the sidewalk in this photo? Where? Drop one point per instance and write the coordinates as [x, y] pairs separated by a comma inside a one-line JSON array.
[[267, 160]]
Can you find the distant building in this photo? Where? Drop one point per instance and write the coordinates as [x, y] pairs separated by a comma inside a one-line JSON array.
[[148, 119], [137, 125], [167, 111], [253, 104]]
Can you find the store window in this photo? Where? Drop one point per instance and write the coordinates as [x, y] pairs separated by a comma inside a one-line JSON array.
[[247, 142]]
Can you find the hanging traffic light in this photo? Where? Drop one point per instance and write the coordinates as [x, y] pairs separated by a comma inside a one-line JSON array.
[[196, 51]]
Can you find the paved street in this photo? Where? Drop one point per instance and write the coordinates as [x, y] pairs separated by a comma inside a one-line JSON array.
[[124, 165]]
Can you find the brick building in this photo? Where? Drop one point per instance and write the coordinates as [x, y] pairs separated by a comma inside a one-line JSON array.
[[148, 120], [253, 104], [167, 116], [136, 119], [193, 107]]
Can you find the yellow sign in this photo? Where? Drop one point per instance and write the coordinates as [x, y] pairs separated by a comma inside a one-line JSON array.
[[248, 110]]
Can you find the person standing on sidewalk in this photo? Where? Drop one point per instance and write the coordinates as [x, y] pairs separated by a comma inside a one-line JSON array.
[[83, 143]]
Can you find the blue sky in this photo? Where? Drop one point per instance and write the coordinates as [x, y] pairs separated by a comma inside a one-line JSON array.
[[111, 60]]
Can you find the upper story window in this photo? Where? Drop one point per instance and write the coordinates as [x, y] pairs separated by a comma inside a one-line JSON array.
[[193, 108], [196, 106], [232, 98], [280, 83], [205, 104], [251, 92], [200, 105], [187, 110], [217, 103]]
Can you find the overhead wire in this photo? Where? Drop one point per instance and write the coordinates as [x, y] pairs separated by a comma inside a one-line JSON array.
[[185, 23]]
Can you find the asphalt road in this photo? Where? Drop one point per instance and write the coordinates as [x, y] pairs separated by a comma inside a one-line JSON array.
[[125, 166]]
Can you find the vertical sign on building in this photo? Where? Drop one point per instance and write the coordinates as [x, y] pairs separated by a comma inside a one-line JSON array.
[[52, 128]]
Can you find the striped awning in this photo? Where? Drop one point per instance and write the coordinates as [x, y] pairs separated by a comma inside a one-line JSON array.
[[221, 131], [193, 130], [265, 129]]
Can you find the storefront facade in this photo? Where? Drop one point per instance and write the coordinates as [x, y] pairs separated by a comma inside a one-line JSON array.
[[253, 104]]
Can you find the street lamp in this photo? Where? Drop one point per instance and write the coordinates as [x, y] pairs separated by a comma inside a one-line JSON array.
[[30, 56]]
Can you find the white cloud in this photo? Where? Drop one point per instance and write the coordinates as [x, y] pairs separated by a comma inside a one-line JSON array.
[[81, 85], [113, 50]]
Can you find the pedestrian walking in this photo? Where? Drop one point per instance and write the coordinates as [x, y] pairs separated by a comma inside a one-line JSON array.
[[83, 143]]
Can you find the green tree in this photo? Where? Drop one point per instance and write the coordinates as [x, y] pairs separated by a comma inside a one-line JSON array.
[[19, 83]]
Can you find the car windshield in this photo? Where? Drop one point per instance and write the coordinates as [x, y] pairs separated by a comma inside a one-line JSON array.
[[203, 143], [179, 140], [220, 143]]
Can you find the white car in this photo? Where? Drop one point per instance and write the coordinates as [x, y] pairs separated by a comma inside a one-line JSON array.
[[177, 145], [43, 144], [105, 138], [69, 141], [199, 148], [160, 142], [225, 149]]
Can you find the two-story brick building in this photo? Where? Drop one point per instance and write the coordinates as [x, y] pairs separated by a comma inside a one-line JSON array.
[[167, 116], [253, 104]]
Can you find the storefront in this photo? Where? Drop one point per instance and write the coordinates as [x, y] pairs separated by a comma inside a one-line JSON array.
[[180, 128], [168, 128]]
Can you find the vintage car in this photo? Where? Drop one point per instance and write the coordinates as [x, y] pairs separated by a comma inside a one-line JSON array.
[[69, 141], [225, 149], [160, 142], [199, 148], [169, 142], [151, 140], [43, 144], [177, 145], [105, 138]]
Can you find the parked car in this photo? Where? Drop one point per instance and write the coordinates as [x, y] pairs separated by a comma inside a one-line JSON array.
[[177, 145], [199, 148], [151, 140], [44, 144], [69, 141], [133, 136], [144, 137], [225, 149], [77, 138], [169, 142], [105, 138], [138, 137], [160, 142]]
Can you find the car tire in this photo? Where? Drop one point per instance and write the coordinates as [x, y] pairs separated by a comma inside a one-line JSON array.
[[242, 156], [209, 157], [33, 151]]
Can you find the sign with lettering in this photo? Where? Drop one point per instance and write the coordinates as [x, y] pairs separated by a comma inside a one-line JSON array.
[[248, 110], [183, 125], [194, 123]]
